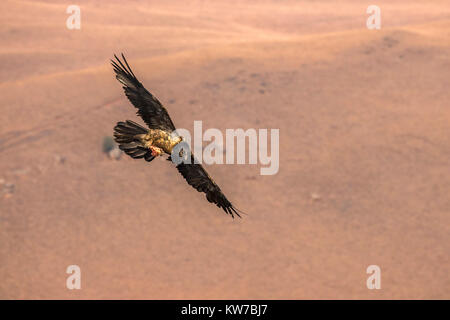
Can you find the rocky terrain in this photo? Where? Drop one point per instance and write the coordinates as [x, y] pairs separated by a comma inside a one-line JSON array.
[[364, 150]]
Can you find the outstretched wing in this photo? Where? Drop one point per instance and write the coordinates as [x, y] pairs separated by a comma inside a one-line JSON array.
[[149, 108], [198, 178]]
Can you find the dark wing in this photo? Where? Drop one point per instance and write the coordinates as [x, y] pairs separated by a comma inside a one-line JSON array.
[[149, 108], [197, 177]]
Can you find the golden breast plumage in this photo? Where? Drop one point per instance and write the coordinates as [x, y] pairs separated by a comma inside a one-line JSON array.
[[161, 139]]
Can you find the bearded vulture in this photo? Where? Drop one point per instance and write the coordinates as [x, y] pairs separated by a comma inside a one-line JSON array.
[[158, 140]]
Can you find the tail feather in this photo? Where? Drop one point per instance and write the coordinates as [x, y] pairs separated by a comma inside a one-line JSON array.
[[126, 135]]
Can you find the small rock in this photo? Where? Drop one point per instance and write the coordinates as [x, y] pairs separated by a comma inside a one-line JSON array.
[[60, 159], [231, 79], [115, 154], [315, 197], [9, 188], [108, 144]]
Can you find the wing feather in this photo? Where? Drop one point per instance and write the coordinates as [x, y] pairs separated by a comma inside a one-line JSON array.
[[149, 108], [197, 177]]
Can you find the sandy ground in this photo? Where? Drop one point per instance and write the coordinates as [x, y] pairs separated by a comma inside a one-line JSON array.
[[364, 150]]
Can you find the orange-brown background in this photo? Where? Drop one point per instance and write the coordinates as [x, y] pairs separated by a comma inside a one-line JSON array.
[[364, 150]]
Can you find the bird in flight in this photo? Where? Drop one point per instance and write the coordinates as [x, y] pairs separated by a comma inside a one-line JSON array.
[[139, 142]]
